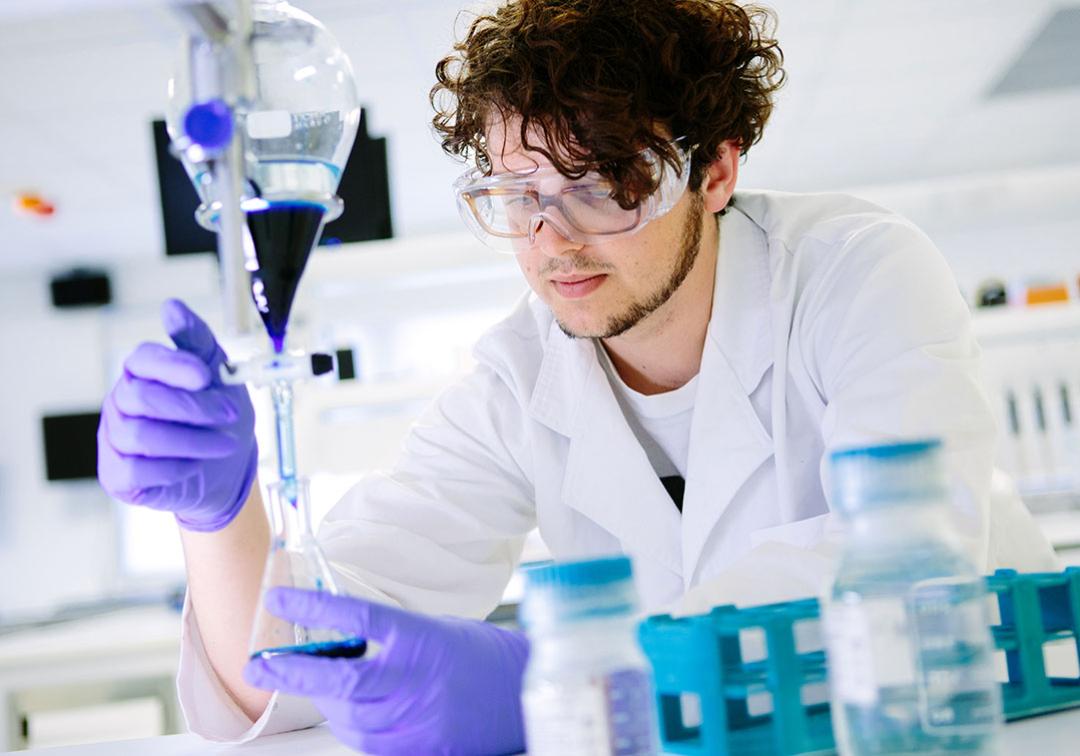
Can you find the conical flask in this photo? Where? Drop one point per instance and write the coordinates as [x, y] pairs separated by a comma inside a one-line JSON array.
[[296, 561]]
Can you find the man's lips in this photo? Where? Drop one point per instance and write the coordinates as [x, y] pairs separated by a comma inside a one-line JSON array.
[[574, 287], [574, 279]]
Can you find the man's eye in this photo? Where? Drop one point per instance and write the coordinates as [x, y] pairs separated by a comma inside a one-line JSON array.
[[594, 196], [599, 189]]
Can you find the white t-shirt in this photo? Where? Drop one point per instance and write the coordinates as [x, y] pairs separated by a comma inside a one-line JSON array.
[[661, 423]]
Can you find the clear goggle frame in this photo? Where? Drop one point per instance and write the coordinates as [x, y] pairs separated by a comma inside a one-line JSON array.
[[507, 210]]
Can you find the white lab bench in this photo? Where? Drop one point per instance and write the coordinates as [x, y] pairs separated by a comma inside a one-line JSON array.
[[1049, 735], [137, 650], [93, 664]]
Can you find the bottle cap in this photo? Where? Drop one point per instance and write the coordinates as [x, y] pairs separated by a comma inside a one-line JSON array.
[[558, 591], [576, 574], [869, 477]]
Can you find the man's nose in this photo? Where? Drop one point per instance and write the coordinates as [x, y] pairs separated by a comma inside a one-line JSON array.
[[549, 239]]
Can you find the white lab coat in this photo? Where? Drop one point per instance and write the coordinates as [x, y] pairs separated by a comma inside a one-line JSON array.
[[834, 322]]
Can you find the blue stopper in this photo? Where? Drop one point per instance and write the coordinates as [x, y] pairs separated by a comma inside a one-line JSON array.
[[586, 572], [209, 124]]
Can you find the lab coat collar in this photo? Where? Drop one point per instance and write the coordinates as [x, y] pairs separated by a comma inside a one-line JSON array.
[[608, 477], [741, 325], [728, 441]]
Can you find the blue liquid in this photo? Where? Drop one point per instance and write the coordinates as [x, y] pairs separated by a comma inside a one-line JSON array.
[[353, 648], [283, 236], [286, 443]]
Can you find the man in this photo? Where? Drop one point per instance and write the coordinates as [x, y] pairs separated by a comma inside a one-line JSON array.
[[670, 388]]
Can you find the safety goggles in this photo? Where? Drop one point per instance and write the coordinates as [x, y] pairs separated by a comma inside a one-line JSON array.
[[507, 210]]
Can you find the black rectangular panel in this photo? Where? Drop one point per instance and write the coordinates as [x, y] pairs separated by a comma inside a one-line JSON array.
[[80, 288], [183, 236], [346, 368], [70, 445]]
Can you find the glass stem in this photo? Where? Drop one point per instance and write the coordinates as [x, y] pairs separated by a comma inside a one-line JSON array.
[[286, 443]]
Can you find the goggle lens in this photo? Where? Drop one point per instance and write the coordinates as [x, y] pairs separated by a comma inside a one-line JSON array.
[[590, 209]]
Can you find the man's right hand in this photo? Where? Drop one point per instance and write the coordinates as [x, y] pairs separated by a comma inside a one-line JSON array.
[[172, 436]]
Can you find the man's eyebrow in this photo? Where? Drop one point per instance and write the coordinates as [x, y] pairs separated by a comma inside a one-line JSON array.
[[524, 172], [537, 168]]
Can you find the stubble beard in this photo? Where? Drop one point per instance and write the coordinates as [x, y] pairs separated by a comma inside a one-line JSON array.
[[635, 312]]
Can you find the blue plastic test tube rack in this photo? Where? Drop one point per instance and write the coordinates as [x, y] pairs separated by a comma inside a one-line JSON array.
[[701, 656], [1036, 609]]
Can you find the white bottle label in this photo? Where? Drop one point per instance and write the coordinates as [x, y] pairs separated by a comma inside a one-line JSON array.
[[869, 648], [605, 715], [566, 721]]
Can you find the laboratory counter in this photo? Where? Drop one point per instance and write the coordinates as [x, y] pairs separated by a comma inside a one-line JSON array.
[[1048, 735]]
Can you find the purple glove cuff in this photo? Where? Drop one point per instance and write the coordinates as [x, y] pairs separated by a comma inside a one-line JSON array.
[[223, 518]]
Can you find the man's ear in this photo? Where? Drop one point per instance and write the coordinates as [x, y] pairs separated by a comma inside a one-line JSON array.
[[720, 176]]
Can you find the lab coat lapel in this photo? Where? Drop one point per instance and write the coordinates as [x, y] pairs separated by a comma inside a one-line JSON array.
[[608, 477], [728, 442]]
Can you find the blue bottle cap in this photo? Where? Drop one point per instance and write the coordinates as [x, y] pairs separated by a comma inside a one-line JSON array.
[[588, 572], [558, 592], [209, 124], [868, 477]]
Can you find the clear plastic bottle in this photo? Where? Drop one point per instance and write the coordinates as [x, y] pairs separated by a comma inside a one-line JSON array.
[[588, 686], [907, 618]]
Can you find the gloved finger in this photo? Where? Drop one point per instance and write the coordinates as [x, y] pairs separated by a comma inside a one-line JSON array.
[[352, 616], [126, 478], [189, 332], [136, 436], [317, 677], [136, 397], [172, 497], [157, 362]]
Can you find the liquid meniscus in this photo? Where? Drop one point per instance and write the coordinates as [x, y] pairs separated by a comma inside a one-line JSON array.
[[352, 648]]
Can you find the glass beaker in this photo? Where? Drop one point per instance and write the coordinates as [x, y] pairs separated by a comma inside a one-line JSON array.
[[296, 561]]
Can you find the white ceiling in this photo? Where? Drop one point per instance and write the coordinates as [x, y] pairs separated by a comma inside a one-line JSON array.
[[879, 91]]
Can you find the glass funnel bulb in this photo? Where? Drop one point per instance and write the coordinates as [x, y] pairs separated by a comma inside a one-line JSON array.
[[296, 129], [296, 561]]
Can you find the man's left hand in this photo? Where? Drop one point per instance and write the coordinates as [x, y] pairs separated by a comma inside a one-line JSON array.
[[435, 685]]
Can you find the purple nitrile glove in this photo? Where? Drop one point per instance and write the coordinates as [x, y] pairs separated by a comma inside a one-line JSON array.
[[172, 436], [435, 685]]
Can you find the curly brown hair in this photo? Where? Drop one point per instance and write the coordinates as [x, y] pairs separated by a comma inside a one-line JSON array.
[[600, 80]]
